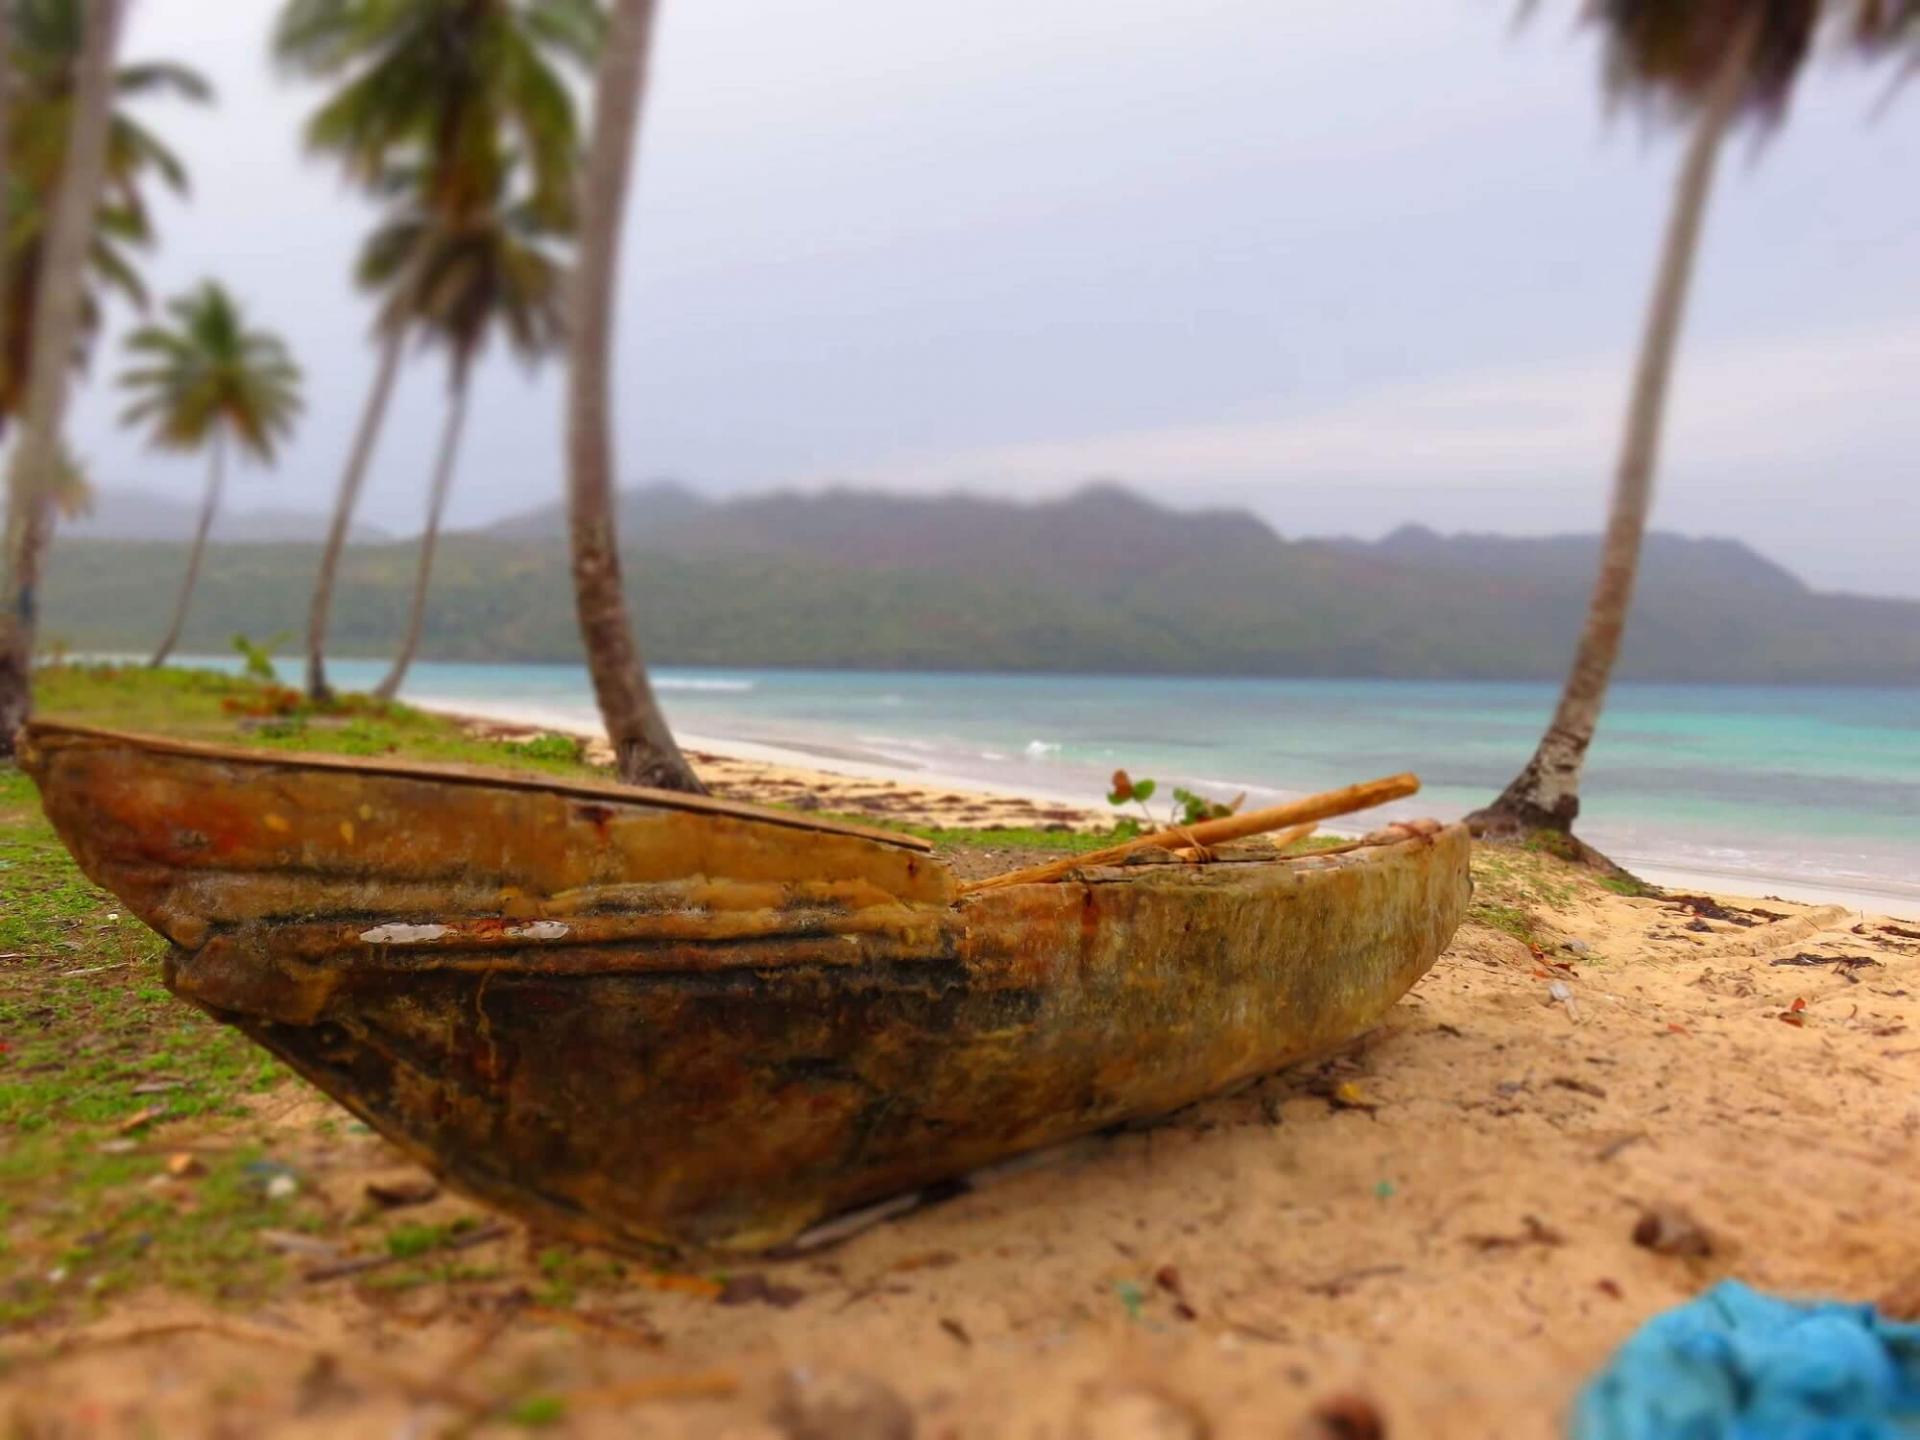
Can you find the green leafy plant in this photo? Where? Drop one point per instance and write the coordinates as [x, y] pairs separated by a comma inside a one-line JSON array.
[[258, 655], [1188, 808], [1195, 808]]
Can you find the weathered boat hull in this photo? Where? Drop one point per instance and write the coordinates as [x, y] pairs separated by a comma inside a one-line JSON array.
[[648, 1026]]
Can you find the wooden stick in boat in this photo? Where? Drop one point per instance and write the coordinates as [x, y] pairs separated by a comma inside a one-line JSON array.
[[1218, 832], [1280, 839]]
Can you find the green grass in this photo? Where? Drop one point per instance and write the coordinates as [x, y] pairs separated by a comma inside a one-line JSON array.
[[538, 1411], [1514, 885], [1506, 918], [1629, 885], [84, 1020], [205, 705], [85, 1210]]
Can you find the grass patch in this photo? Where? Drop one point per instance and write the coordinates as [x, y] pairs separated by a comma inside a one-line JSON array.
[[90, 1042], [233, 710], [1520, 878], [1505, 918], [566, 1270], [1631, 886], [537, 1411]]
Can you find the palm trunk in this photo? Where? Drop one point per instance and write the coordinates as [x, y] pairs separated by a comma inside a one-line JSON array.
[[15, 687], [643, 746], [56, 323], [344, 504], [429, 538], [6, 114], [209, 507], [1546, 794]]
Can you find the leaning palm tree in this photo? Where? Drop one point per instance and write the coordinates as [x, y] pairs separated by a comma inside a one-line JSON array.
[[206, 381], [443, 86], [1717, 62], [47, 37], [6, 115], [456, 282], [32, 478], [643, 745], [1889, 30]]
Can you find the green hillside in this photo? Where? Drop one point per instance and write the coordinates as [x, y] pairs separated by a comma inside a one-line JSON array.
[[1101, 582]]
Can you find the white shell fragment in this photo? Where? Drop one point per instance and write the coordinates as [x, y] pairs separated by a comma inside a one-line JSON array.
[[401, 934]]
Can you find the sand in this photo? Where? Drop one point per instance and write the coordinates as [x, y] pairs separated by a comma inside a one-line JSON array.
[[1432, 1232]]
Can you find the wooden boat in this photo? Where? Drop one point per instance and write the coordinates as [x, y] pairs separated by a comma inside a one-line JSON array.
[[649, 1020]]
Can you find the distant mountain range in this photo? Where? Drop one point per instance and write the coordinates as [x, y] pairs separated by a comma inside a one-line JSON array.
[[1103, 580], [142, 515]]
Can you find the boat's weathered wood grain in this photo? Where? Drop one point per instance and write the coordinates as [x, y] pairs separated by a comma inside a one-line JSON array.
[[647, 1026]]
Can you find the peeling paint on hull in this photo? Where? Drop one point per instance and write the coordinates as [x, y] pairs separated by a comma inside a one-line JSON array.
[[646, 1025]]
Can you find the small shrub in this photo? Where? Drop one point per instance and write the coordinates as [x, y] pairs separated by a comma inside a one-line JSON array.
[[1188, 808], [544, 747]]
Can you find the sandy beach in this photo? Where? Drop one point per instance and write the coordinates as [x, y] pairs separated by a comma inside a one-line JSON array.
[[1593, 1107]]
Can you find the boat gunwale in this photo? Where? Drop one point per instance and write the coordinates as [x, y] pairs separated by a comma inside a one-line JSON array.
[[56, 734]]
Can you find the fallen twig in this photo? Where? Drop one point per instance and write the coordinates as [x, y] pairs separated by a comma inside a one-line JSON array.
[[1613, 1147], [1337, 1285], [1535, 1232]]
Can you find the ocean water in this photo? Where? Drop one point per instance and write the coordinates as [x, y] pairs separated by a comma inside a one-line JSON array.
[[1764, 787]]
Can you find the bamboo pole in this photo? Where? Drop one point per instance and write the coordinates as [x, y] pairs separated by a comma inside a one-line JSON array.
[[1343, 801]]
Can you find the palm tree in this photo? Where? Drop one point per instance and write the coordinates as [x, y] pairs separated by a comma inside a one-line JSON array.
[[1883, 28], [643, 746], [444, 85], [456, 281], [37, 455], [208, 382], [1715, 61], [47, 35], [6, 111]]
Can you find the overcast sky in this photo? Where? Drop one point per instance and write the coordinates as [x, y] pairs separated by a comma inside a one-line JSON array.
[[1347, 265]]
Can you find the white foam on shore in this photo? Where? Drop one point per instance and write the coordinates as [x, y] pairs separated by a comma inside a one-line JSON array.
[[1748, 886]]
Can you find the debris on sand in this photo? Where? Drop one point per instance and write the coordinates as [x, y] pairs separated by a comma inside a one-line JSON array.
[[402, 1188], [1671, 1230], [1344, 1417], [1533, 1231]]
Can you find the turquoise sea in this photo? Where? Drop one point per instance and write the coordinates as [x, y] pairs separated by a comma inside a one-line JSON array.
[[1759, 787]]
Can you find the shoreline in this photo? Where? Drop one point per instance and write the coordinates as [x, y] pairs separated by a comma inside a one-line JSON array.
[[799, 764]]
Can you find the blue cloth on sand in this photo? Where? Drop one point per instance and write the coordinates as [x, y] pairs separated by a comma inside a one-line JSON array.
[[1738, 1365]]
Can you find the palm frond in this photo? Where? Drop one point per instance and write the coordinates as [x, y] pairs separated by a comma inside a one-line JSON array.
[[160, 77]]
